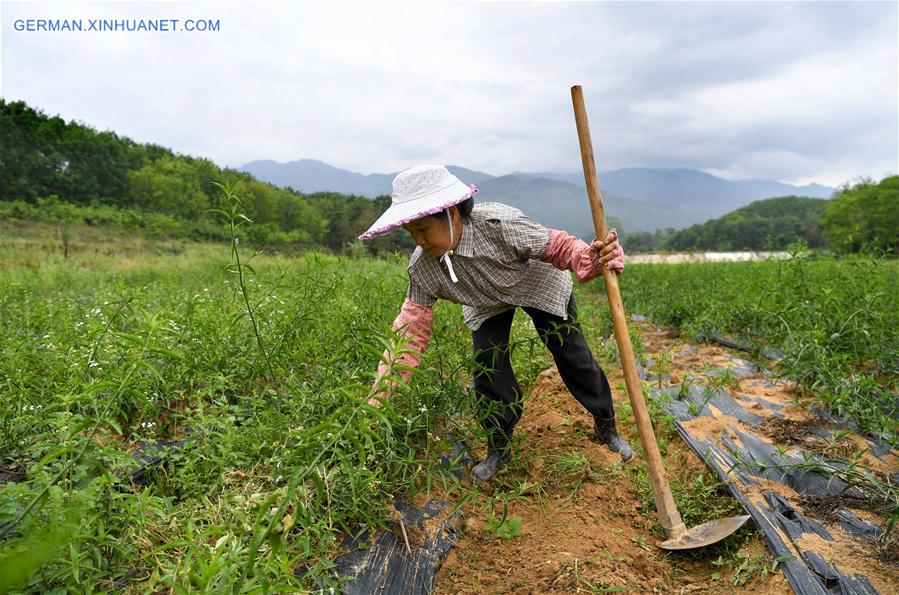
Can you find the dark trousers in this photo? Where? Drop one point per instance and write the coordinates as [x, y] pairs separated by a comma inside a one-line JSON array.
[[500, 397]]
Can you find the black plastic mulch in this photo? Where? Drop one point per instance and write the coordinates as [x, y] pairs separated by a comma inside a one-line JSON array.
[[752, 457], [385, 566]]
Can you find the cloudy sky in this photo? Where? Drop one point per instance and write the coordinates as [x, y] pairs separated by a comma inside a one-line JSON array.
[[794, 91]]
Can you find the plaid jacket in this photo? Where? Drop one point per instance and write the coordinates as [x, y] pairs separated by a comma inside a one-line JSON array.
[[497, 262]]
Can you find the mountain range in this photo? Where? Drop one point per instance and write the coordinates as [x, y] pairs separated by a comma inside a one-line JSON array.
[[637, 199]]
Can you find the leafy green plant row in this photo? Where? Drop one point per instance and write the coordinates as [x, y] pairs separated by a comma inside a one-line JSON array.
[[836, 320], [266, 362], [96, 359]]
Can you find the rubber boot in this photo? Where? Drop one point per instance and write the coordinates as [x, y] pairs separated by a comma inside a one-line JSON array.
[[607, 434], [496, 460]]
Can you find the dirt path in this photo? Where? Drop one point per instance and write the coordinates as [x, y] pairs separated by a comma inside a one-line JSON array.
[[583, 528]]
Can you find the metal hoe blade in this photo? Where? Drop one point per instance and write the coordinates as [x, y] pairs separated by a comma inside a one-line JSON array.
[[705, 534]]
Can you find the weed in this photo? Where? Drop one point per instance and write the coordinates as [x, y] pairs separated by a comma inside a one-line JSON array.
[[505, 527], [570, 465], [878, 492], [663, 365], [748, 567]]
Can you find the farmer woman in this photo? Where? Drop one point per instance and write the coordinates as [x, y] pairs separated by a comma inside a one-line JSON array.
[[491, 258]]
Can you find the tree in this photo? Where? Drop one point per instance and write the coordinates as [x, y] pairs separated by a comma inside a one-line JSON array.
[[772, 223], [864, 216]]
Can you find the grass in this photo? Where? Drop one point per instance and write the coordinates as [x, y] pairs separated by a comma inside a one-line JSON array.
[[264, 366], [101, 354], [835, 319], [265, 369]]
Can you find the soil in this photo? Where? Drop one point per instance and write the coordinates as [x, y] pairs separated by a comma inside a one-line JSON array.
[[797, 429], [584, 532], [588, 531], [852, 556]]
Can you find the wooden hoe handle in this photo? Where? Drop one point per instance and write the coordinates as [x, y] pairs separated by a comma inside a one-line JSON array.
[[668, 514]]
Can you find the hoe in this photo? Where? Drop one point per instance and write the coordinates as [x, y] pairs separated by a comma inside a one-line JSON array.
[[678, 536]]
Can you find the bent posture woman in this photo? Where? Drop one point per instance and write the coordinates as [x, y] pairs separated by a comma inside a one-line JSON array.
[[491, 258]]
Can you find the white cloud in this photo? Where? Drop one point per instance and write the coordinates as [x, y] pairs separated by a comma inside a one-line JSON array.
[[794, 91]]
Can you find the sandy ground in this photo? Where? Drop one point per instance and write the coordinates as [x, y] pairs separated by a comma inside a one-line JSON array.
[[588, 533]]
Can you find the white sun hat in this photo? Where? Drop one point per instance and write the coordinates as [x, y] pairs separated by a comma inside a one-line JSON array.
[[419, 191]]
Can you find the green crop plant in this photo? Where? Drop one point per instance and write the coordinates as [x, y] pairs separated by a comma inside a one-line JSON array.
[[878, 492], [836, 319], [143, 351], [712, 384], [233, 218], [663, 364], [505, 526], [127, 342]]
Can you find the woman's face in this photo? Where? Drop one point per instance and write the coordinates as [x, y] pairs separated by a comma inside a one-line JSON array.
[[432, 232]]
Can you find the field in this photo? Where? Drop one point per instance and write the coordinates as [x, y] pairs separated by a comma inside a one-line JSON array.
[[835, 320], [128, 341]]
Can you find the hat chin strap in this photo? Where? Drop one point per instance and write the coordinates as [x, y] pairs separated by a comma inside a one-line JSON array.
[[446, 255]]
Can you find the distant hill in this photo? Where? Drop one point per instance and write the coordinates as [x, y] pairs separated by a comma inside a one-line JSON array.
[[770, 224], [689, 187], [642, 199], [67, 172], [561, 205], [310, 175]]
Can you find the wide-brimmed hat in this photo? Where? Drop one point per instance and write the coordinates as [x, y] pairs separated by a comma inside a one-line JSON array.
[[419, 191]]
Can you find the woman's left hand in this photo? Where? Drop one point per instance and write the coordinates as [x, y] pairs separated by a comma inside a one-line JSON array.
[[610, 252]]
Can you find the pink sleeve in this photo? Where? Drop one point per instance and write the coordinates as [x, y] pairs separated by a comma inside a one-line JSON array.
[[569, 253], [417, 320]]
